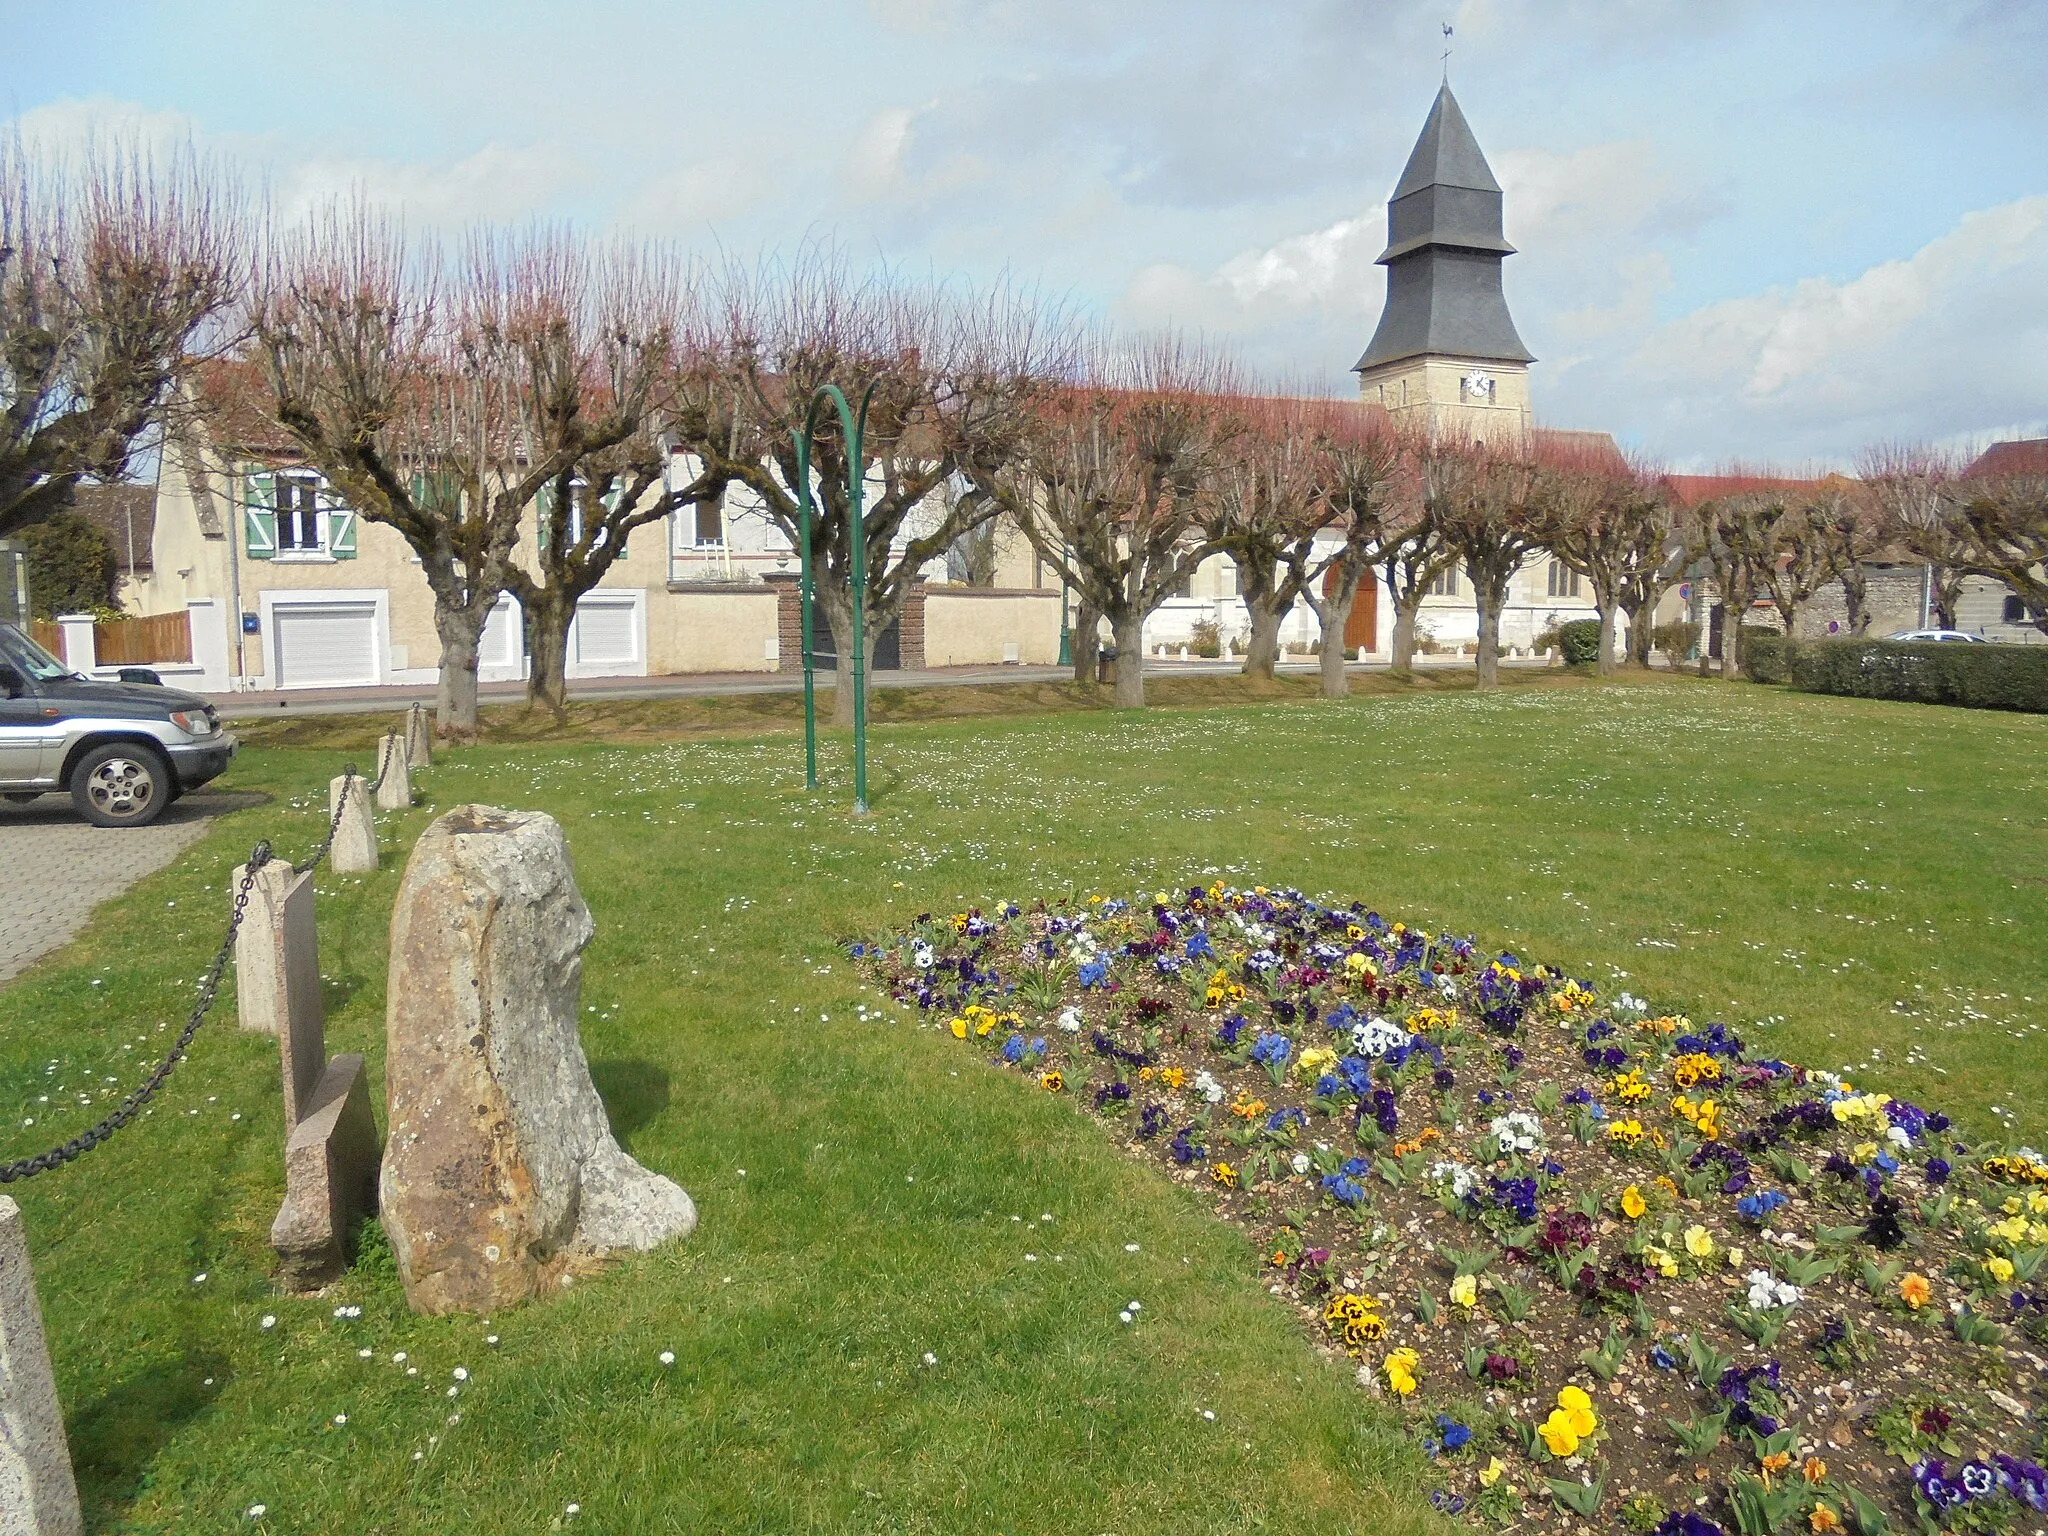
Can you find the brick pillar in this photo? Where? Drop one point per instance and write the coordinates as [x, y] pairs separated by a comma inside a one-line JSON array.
[[910, 635], [789, 619]]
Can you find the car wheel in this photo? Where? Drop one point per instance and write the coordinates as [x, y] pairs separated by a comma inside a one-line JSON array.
[[121, 785]]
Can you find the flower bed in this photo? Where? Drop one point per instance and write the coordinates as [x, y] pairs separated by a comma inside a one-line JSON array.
[[1613, 1264]]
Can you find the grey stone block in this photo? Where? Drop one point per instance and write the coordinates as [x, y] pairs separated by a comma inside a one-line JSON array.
[[38, 1496], [330, 1178]]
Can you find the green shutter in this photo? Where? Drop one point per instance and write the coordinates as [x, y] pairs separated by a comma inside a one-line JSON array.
[[543, 506], [341, 533], [259, 516]]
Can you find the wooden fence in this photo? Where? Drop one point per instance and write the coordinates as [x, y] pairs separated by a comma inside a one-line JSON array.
[[47, 634], [138, 642]]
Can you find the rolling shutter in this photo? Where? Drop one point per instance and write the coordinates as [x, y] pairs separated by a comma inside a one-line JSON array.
[[325, 645]]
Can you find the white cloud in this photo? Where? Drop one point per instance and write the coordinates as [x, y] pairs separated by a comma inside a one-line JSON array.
[[1936, 344], [496, 182]]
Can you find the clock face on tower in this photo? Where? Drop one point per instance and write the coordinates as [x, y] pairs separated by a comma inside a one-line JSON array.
[[1478, 385]]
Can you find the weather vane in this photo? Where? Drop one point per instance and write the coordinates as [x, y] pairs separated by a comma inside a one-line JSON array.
[[1447, 53]]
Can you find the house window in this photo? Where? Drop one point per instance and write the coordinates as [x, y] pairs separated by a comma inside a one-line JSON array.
[[710, 523], [1564, 581], [2016, 611], [301, 523], [1445, 585]]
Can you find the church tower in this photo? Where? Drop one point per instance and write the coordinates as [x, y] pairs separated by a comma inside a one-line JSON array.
[[1446, 352]]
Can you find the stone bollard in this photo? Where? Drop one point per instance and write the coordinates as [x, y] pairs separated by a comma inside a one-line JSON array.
[[419, 737], [1183, 653], [355, 840], [259, 998], [38, 1496], [501, 1175], [395, 792], [330, 1155]]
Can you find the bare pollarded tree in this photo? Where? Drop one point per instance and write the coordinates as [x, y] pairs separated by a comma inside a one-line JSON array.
[[2006, 515], [596, 344], [1909, 487], [400, 390], [1300, 505], [1366, 493], [1263, 507], [1105, 479], [954, 380], [1611, 522], [117, 276], [1738, 535], [1483, 498]]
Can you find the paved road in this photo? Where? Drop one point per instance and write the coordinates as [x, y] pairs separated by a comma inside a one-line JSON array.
[[353, 701], [55, 868]]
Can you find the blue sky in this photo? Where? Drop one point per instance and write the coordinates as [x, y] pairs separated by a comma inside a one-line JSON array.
[[1749, 231]]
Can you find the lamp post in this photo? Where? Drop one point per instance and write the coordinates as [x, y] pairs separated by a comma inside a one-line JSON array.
[[853, 427]]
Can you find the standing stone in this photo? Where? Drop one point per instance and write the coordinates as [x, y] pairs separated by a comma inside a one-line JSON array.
[[394, 793], [419, 737], [355, 840], [330, 1155], [38, 1496], [258, 998], [501, 1175]]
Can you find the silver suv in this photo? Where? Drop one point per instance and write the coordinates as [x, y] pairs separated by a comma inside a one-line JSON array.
[[123, 750]]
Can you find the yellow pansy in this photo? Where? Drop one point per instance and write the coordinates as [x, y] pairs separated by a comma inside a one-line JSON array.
[[1491, 1472], [959, 1028], [1999, 1268], [1557, 1434], [1632, 1203], [1577, 1408], [1465, 1291], [1699, 1242], [1663, 1262], [1400, 1369]]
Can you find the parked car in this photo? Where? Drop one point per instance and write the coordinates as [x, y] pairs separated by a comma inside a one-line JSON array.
[[123, 750], [1921, 635]]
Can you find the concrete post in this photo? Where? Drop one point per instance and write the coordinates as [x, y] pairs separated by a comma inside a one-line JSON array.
[[259, 986], [81, 652], [38, 1496], [419, 737], [393, 762], [355, 840]]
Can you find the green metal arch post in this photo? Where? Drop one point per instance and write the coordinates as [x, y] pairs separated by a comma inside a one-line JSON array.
[[853, 429]]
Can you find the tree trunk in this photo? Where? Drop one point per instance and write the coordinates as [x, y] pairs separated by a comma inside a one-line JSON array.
[[1333, 615], [1130, 661], [1639, 628], [1262, 647], [1944, 594], [1856, 599], [1731, 635], [1487, 600], [544, 619], [1401, 643], [1605, 665], [455, 695], [547, 619], [1084, 642]]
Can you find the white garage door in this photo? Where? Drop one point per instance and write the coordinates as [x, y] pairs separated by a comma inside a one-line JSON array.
[[604, 637], [326, 645]]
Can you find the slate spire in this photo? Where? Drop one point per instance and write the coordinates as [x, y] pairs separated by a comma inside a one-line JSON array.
[[1443, 255]]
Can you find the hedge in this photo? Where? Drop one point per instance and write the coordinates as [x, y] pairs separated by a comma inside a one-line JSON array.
[[1934, 672], [1761, 653], [1579, 642]]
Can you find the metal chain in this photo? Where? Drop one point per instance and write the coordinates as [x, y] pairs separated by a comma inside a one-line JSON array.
[[348, 784], [383, 762], [83, 1143], [209, 984]]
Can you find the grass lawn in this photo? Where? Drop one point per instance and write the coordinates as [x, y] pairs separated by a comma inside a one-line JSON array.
[[1855, 884]]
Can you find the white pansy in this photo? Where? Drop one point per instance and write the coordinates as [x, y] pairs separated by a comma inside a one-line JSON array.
[[1070, 1020], [1300, 1162], [1376, 1036], [1207, 1086], [1516, 1131], [1767, 1290], [921, 956]]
